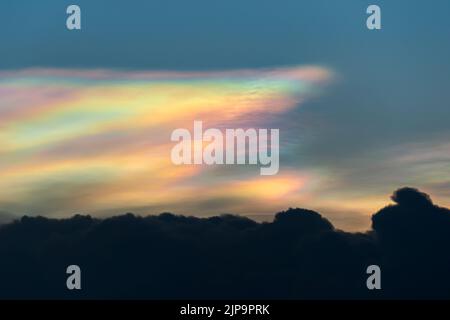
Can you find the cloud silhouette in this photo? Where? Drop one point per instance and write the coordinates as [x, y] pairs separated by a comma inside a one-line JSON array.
[[300, 255], [414, 236]]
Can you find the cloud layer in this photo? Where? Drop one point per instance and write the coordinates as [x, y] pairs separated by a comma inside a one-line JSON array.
[[76, 141]]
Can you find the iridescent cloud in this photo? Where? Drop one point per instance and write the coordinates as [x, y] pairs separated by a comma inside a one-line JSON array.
[[98, 141]]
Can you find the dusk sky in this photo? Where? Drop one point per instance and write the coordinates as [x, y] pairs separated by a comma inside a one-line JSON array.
[[86, 116]]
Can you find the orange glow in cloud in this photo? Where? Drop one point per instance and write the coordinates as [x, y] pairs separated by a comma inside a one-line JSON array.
[[100, 140]]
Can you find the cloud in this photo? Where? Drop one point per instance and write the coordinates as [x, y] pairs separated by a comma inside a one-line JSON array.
[[414, 236], [101, 138]]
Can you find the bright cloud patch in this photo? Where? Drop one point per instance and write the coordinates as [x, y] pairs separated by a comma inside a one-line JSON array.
[[96, 141]]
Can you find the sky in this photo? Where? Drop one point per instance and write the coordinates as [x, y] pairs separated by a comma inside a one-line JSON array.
[[86, 116]]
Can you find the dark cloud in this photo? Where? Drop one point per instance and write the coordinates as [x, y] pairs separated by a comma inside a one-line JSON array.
[[298, 255], [414, 236]]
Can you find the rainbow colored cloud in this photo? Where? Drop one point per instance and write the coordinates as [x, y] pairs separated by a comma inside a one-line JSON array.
[[98, 141]]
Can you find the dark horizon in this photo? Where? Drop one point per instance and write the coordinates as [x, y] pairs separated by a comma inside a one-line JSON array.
[[300, 255], [6, 218]]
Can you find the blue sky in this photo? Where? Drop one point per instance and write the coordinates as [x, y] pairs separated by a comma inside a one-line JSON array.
[[368, 132]]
